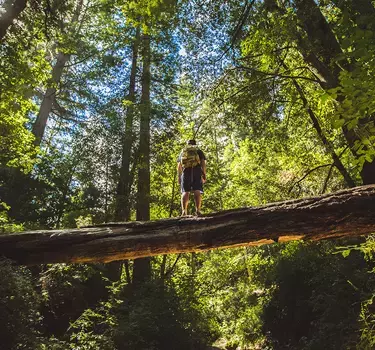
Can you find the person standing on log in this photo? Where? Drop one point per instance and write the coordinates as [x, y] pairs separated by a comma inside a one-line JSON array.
[[191, 170]]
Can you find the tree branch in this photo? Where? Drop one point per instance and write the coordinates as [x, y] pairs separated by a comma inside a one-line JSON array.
[[237, 30], [307, 174], [327, 178], [277, 75], [169, 272]]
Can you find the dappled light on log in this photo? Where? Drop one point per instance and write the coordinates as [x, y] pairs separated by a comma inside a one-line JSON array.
[[341, 214]]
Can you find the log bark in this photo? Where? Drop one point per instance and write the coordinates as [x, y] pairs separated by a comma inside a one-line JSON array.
[[341, 214]]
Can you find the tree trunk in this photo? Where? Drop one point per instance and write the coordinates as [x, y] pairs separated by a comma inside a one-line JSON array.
[[50, 95], [326, 143], [106, 193], [321, 38], [46, 106], [142, 267], [218, 168], [122, 210], [342, 214], [12, 11], [360, 11], [63, 200], [323, 41], [322, 51]]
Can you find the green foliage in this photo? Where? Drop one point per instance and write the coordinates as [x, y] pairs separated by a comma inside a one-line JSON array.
[[293, 296], [150, 14], [20, 317], [228, 80], [67, 291], [154, 316], [92, 330], [17, 149], [230, 295], [356, 90], [316, 295], [6, 226], [150, 320], [367, 337], [16, 141]]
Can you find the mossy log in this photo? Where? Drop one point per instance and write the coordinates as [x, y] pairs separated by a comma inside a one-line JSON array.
[[345, 213]]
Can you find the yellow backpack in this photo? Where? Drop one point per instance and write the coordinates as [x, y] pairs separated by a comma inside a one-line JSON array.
[[190, 157]]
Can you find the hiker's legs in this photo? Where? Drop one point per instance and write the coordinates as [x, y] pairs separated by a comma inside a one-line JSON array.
[[198, 200], [185, 202]]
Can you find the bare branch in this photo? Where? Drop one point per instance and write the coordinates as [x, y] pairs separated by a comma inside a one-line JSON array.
[[262, 53], [170, 271], [307, 174], [237, 30], [278, 75]]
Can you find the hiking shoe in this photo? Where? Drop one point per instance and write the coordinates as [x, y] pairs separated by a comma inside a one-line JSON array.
[[184, 213], [198, 213]]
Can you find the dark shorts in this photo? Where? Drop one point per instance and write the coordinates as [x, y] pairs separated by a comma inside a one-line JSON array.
[[191, 180]]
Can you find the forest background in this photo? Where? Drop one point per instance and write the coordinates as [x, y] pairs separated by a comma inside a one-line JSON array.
[[97, 99]]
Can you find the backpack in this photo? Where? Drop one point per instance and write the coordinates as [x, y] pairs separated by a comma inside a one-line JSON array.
[[190, 157]]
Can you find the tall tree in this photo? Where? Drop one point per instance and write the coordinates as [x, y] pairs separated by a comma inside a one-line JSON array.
[[122, 210], [12, 9], [323, 52], [327, 144], [142, 267], [49, 98]]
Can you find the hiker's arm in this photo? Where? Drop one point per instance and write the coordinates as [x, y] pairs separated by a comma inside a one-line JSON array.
[[203, 166], [179, 171]]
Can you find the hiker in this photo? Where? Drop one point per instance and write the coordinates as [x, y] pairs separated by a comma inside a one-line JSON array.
[[191, 170]]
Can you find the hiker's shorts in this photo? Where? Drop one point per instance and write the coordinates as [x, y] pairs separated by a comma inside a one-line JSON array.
[[191, 180]]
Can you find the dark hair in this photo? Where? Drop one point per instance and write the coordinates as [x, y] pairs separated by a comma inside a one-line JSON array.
[[191, 142]]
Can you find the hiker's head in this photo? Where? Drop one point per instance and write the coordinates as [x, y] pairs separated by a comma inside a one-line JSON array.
[[192, 142]]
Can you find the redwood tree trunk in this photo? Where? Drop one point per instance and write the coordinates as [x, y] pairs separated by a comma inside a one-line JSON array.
[[12, 11], [142, 267], [360, 11], [122, 210], [50, 95], [326, 143], [323, 40], [323, 52]]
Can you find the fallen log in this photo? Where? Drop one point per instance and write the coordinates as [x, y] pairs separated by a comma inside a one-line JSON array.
[[345, 213]]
